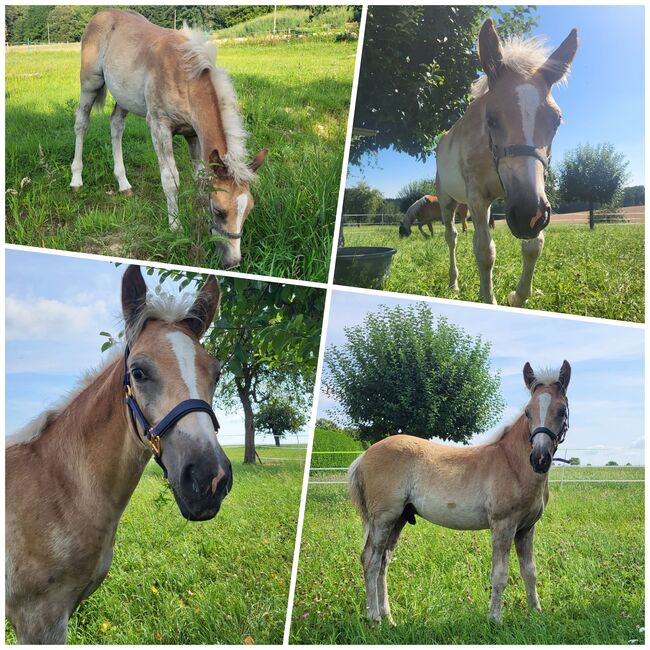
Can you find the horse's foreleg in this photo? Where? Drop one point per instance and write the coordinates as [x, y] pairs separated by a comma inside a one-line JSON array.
[[524, 544], [424, 234], [502, 537], [531, 249], [382, 585], [430, 226], [41, 624], [448, 211], [484, 252], [118, 118], [195, 154], [162, 138], [89, 91]]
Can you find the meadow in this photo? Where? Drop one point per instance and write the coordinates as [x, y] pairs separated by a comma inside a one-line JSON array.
[[294, 95], [590, 565], [597, 273], [179, 582]]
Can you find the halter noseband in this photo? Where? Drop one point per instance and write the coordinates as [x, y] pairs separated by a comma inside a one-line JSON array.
[[154, 434], [543, 154]]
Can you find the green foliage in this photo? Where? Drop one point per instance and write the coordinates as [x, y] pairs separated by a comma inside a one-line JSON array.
[[30, 24], [362, 199], [596, 273], [294, 98], [413, 191], [67, 23], [611, 463], [278, 416], [590, 553], [417, 67], [344, 448], [634, 195], [574, 460], [595, 174], [403, 371]]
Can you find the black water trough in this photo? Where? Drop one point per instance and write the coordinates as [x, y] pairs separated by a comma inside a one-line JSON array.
[[363, 266]]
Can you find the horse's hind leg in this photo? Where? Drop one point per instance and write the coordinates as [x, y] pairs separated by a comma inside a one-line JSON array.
[[93, 91], [524, 541], [448, 210], [382, 586], [462, 211], [531, 249], [484, 250], [195, 154], [117, 129], [424, 234], [371, 559]]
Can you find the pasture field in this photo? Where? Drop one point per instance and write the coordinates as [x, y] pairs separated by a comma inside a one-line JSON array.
[[294, 96], [596, 273], [179, 582], [590, 565]]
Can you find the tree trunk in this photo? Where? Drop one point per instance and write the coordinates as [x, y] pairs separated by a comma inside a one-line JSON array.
[[591, 215], [249, 425], [277, 441]]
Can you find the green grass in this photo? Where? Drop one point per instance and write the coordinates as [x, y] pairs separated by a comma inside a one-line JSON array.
[[596, 273], [335, 18], [294, 97], [177, 582], [333, 441], [590, 565]]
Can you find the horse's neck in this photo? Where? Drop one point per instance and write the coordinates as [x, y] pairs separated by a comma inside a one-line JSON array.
[[206, 117], [516, 446], [92, 441]]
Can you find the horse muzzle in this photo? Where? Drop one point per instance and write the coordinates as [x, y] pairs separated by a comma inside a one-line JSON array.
[[200, 491], [527, 219], [228, 258], [404, 231]]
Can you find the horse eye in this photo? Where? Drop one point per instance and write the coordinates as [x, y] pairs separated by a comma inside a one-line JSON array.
[[492, 122], [138, 374], [527, 413]]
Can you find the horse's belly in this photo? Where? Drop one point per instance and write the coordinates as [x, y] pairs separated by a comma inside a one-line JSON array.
[[128, 93], [451, 512]]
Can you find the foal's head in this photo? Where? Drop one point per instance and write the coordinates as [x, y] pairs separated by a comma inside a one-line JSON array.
[[547, 414], [230, 204], [521, 119], [404, 230], [167, 365]]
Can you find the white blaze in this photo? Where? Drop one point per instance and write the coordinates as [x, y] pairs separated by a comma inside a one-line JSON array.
[[544, 402], [185, 352], [529, 101], [242, 202]]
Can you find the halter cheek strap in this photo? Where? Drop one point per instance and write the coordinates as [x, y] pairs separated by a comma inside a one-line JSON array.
[[153, 435], [498, 152], [219, 228], [557, 438]]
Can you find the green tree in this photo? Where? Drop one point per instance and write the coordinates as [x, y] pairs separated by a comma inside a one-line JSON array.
[[362, 199], [31, 24], [67, 23], [574, 460], [404, 371], [634, 195], [417, 67], [278, 416], [611, 463], [413, 191], [595, 174]]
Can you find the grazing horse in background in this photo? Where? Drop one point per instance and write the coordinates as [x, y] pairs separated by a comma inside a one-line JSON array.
[[71, 472], [171, 79], [424, 212], [501, 147], [500, 485]]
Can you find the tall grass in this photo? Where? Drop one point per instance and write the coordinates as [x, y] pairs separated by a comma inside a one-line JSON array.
[[294, 97], [585, 272]]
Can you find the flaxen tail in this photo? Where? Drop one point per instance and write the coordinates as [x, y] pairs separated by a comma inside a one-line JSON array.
[[100, 99], [357, 494]]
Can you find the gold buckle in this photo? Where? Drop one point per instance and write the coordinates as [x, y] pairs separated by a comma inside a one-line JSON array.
[[127, 391], [154, 443]]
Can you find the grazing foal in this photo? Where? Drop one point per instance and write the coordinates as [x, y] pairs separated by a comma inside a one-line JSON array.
[[424, 212], [501, 147], [502, 485], [71, 473], [170, 78]]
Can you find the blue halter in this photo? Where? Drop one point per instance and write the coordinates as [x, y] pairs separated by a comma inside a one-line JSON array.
[[151, 434]]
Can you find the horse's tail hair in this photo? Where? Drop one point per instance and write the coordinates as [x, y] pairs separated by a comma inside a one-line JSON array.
[[100, 99], [357, 494]]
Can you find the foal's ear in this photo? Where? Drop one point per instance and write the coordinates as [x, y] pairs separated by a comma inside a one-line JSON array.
[[565, 375], [259, 159], [205, 307], [217, 165], [489, 50], [557, 65], [134, 293], [529, 375]]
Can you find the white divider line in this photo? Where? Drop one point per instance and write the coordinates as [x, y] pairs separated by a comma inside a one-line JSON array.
[[586, 480]]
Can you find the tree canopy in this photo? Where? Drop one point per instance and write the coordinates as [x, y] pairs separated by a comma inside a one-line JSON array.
[[404, 371], [592, 173], [278, 416], [417, 66], [413, 191]]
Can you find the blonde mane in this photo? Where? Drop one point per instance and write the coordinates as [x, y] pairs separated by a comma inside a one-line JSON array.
[[200, 55], [521, 56], [163, 307]]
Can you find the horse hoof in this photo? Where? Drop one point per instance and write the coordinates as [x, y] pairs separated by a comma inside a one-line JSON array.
[[454, 287], [75, 188], [127, 192], [515, 300]]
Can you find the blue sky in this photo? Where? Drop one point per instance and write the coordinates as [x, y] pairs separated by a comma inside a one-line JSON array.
[[603, 102], [607, 379], [55, 308]]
